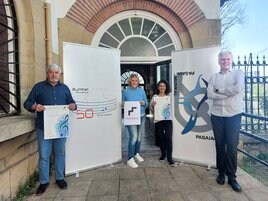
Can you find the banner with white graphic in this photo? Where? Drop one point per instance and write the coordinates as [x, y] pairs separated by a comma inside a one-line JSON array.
[[93, 76], [193, 139]]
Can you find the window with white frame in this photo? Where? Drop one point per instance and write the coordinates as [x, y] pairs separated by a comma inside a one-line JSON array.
[[138, 36]]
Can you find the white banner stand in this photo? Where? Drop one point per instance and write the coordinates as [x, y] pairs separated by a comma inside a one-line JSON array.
[[93, 75], [193, 139]]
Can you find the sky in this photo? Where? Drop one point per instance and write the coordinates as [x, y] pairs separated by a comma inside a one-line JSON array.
[[252, 36]]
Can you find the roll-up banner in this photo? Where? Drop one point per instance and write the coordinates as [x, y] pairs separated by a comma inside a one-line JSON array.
[[93, 76], [193, 139]]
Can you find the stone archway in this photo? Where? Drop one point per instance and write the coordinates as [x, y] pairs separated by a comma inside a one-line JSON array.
[[91, 14]]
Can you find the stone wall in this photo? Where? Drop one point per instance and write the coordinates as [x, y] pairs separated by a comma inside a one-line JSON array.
[[79, 35], [18, 159], [18, 145]]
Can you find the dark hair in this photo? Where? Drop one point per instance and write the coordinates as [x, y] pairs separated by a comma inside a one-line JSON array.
[[168, 90]]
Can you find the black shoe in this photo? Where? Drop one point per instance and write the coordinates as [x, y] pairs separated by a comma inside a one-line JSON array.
[[220, 179], [41, 189], [62, 184], [235, 185], [172, 163], [162, 158]]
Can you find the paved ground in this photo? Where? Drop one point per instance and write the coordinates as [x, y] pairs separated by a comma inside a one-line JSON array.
[[152, 181]]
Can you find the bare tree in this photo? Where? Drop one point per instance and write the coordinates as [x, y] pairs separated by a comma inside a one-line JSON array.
[[232, 16]]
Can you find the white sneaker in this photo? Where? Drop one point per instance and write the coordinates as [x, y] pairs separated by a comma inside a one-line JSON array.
[[131, 163], [138, 158]]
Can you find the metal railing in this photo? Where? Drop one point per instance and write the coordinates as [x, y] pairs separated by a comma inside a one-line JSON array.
[[254, 120], [256, 85], [250, 133]]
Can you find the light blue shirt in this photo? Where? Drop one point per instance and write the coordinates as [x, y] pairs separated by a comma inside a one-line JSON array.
[[135, 94]]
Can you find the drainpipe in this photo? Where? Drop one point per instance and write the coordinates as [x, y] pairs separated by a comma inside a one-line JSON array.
[[47, 10]]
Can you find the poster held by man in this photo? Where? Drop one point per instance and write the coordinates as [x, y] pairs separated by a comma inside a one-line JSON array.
[[56, 121]]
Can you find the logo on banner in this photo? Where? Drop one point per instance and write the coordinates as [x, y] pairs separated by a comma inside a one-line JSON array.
[[94, 103], [193, 103], [80, 90]]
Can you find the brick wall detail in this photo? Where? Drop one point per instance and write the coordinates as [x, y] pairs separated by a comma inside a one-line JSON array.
[[181, 14]]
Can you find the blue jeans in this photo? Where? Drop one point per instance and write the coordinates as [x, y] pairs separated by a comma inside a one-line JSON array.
[[226, 132], [45, 147], [135, 133]]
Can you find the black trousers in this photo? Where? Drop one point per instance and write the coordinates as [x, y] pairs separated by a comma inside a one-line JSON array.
[[163, 132], [226, 132]]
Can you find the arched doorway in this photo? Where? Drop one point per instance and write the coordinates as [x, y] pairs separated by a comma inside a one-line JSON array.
[[145, 41]]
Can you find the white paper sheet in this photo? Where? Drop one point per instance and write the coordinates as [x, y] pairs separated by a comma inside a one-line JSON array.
[[132, 113], [162, 109], [56, 121]]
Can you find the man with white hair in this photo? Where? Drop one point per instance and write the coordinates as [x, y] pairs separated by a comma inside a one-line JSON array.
[[49, 92], [225, 88]]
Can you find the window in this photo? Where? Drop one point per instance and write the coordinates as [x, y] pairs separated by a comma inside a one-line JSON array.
[[9, 66], [138, 36]]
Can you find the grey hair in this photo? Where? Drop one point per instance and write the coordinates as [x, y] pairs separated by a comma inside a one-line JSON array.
[[225, 52], [53, 67]]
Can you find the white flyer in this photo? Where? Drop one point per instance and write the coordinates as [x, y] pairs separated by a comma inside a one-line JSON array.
[[132, 113], [56, 121], [162, 109]]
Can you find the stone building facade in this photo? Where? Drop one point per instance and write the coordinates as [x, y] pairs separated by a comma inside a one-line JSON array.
[[44, 25]]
